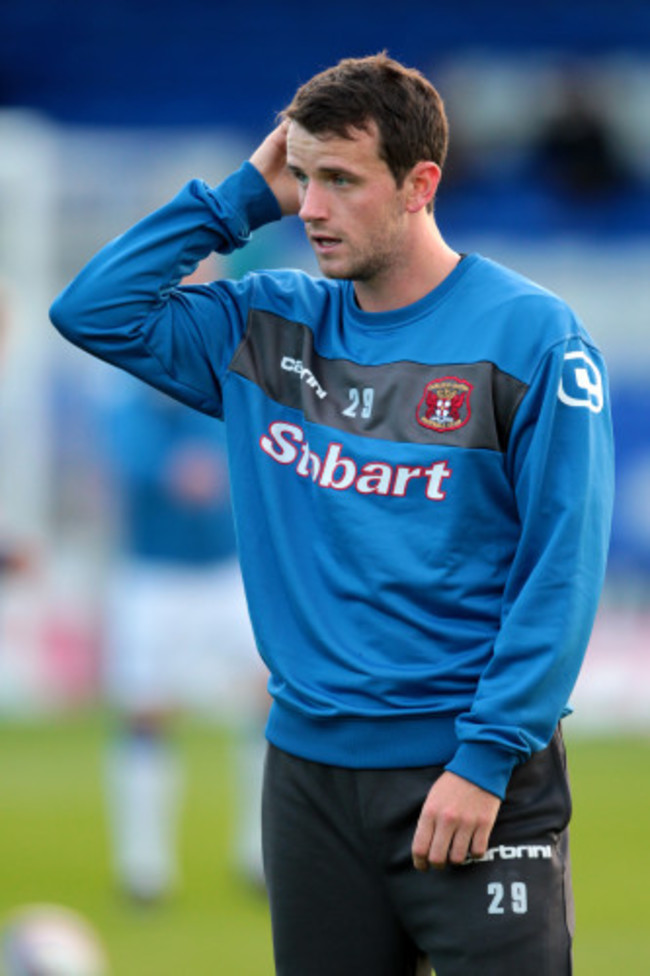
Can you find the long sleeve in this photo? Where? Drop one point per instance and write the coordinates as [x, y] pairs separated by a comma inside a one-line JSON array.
[[125, 305], [561, 459]]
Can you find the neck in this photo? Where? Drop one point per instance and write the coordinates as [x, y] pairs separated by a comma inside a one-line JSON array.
[[424, 263]]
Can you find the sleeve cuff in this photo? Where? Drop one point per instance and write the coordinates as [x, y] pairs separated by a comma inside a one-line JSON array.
[[484, 765], [249, 195]]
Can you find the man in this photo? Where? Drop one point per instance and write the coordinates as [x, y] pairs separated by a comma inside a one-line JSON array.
[[421, 461], [178, 636]]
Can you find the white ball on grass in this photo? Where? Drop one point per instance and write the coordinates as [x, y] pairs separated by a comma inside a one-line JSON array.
[[50, 940]]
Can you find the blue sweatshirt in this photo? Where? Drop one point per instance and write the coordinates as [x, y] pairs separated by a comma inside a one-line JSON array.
[[422, 496]]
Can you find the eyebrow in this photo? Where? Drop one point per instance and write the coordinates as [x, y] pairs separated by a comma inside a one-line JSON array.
[[326, 170]]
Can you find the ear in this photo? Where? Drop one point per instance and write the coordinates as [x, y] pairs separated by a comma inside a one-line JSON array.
[[421, 185]]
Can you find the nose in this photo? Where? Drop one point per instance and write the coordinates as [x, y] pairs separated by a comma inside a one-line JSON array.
[[313, 205]]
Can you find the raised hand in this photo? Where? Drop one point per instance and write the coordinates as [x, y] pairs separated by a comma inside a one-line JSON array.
[[270, 158]]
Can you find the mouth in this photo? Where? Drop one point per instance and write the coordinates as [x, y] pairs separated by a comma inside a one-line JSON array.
[[324, 243]]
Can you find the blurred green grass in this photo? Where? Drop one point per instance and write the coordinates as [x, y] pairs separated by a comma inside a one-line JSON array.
[[611, 854], [52, 848]]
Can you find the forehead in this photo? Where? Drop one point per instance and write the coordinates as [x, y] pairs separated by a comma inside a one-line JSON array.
[[330, 151]]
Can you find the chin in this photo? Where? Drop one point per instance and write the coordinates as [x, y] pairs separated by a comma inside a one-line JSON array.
[[331, 271], [335, 274]]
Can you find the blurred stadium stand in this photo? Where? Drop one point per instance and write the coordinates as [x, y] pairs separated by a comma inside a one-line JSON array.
[[225, 63], [107, 108]]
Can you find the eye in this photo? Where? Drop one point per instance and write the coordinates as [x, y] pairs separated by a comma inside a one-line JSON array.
[[338, 179], [299, 176]]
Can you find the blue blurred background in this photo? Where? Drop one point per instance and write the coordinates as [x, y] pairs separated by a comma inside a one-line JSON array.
[[107, 108], [215, 63]]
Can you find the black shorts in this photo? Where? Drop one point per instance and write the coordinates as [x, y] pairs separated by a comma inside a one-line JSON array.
[[346, 900]]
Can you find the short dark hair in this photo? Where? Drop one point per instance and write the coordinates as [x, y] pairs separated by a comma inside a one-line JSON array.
[[406, 108]]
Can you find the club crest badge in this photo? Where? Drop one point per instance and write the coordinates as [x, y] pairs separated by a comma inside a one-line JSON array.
[[445, 404]]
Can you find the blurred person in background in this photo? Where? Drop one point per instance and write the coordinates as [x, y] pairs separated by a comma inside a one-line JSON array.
[[421, 457], [576, 152], [177, 633]]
